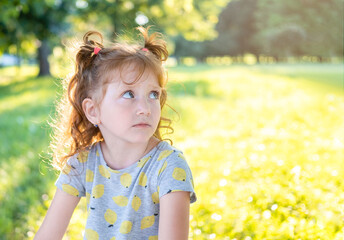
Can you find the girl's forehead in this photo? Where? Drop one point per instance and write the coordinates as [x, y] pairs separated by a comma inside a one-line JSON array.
[[134, 77]]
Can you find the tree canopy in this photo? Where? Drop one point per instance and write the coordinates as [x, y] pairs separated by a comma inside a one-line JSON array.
[[41, 23], [300, 27], [275, 28], [197, 28]]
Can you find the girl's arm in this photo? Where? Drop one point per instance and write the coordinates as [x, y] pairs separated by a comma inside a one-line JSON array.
[[174, 216], [58, 216]]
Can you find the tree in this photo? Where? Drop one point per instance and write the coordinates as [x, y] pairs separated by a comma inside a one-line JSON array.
[[300, 27], [236, 32], [10, 35], [193, 20], [236, 28], [35, 20], [185, 48], [47, 20], [193, 24]]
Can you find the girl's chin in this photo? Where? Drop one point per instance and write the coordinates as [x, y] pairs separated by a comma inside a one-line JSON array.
[[141, 139]]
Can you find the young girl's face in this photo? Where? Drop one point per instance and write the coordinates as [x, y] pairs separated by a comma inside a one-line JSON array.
[[130, 113]]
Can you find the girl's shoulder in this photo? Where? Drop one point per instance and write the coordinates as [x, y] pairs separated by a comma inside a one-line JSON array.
[[164, 145], [85, 155], [166, 151], [78, 163], [173, 172]]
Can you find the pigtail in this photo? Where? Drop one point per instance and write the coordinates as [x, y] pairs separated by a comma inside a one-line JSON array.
[[154, 43], [86, 53], [82, 131], [72, 128], [85, 71]]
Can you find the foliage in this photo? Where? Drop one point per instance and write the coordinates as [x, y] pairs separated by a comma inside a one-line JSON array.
[[264, 143], [300, 27], [236, 29], [274, 28], [196, 28], [194, 20], [33, 19], [22, 23]]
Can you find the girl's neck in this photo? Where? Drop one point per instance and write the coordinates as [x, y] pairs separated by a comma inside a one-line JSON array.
[[119, 156]]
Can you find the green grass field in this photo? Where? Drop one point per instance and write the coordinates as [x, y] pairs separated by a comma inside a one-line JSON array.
[[265, 144]]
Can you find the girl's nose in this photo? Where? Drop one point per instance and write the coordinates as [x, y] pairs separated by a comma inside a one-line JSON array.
[[143, 107]]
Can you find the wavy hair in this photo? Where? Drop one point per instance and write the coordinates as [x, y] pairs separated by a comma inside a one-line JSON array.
[[72, 131]]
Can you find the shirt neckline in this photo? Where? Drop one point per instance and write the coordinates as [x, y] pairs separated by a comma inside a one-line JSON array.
[[132, 166]]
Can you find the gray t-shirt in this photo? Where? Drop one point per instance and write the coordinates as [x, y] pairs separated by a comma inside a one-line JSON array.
[[124, 204]]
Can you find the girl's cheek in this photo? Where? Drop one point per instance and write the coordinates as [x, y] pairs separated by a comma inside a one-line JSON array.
[[158, 111], [157, 105], [124, 102]]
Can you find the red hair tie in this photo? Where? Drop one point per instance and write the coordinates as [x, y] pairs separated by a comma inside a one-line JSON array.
[[96, 50], [145, 49]]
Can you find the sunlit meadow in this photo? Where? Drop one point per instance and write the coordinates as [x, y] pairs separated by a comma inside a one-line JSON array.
[[265, 144]]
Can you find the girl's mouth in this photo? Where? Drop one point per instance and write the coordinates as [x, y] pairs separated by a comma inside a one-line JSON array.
[[142, 125]]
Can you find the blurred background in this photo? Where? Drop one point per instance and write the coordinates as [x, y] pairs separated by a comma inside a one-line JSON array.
[[258, 86]]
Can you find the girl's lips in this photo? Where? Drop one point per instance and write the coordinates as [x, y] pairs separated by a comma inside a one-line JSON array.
[[142, 125]]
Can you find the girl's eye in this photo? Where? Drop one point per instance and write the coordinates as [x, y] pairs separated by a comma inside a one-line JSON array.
[[154, 95], [128, 94]]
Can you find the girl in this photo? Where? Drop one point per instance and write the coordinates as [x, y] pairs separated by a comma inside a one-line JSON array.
[[108, 143]]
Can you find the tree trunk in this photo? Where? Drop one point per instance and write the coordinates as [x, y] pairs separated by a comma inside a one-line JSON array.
[[43, 53], [257, 57], [18, 54]]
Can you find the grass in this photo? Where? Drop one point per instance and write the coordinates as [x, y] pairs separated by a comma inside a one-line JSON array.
[[265, 144], [26, 102]]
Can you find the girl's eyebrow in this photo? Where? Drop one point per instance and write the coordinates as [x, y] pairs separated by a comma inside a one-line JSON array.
[[154, 85]]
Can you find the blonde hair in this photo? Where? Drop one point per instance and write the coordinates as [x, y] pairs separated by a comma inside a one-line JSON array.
[[72, 131]]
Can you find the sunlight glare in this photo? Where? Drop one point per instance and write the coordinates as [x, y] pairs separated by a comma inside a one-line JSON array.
[[216, 216], [226, 172], [212, 236], [223, 182], [274, 207], [267, 214], [198, 231]]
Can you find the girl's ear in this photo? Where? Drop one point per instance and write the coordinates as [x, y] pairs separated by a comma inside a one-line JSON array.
[[91, 110]]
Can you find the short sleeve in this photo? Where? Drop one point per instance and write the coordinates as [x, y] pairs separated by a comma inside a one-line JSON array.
[[175, 175], [72, 178]]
